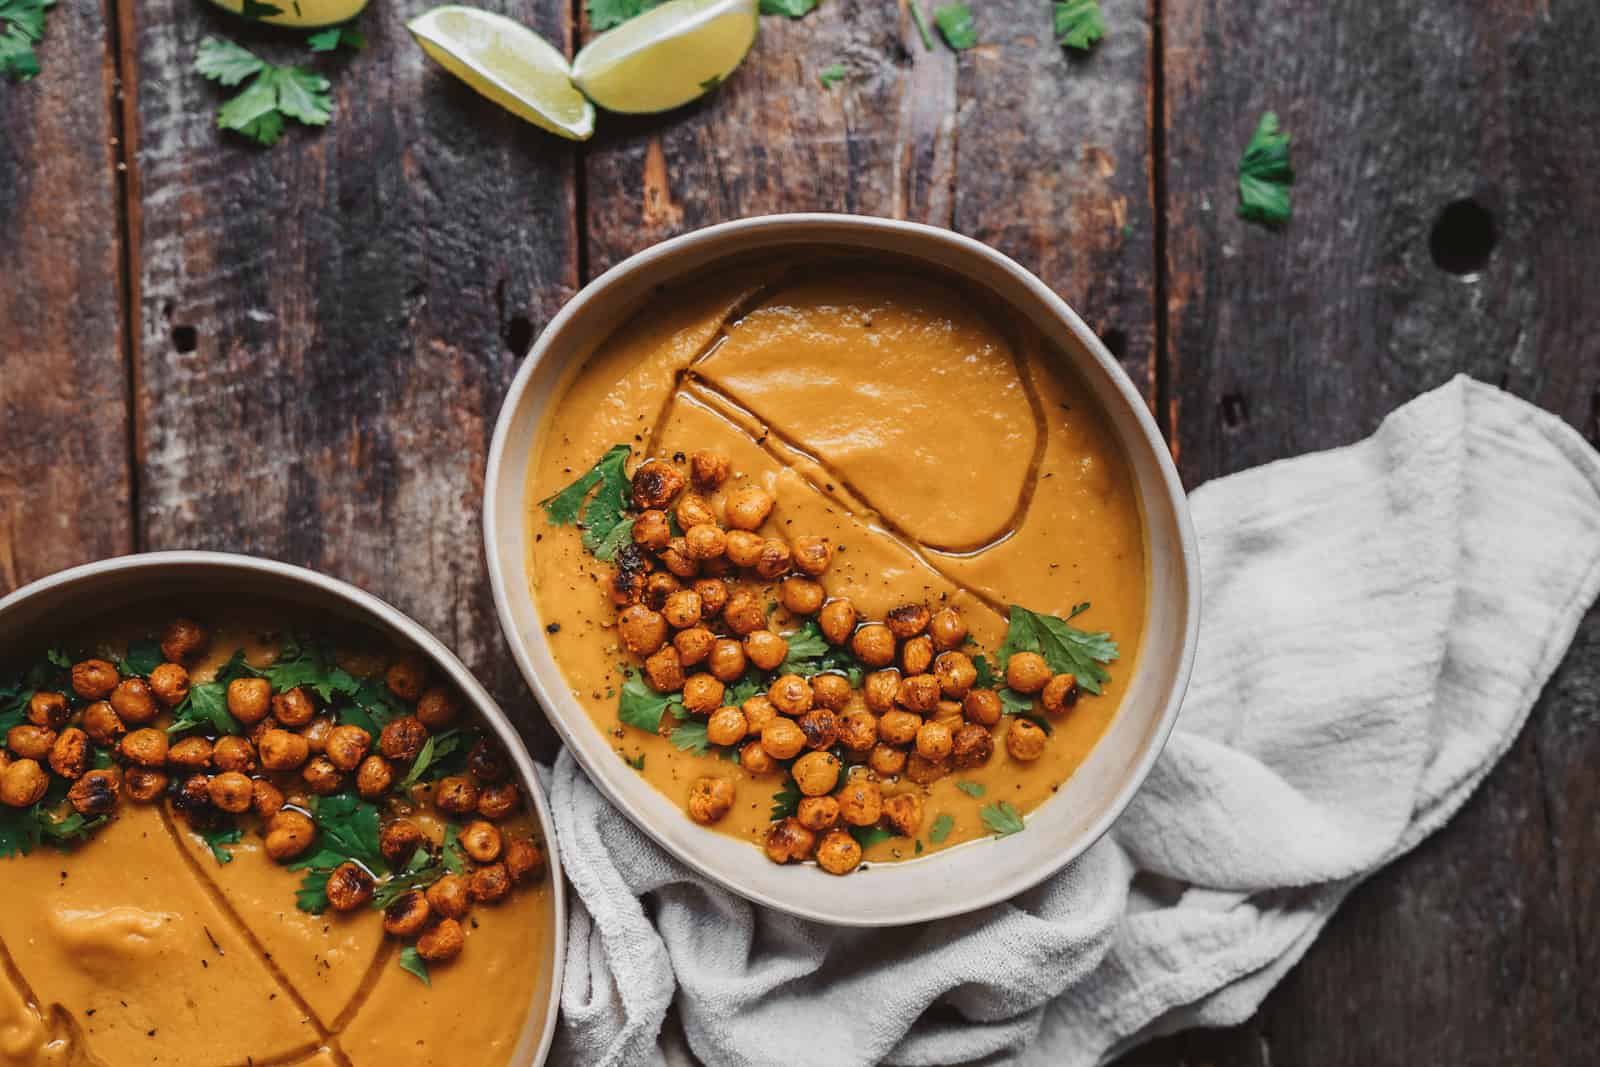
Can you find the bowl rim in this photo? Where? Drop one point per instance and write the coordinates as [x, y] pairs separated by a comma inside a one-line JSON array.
[[369, 604], [1171, 486]]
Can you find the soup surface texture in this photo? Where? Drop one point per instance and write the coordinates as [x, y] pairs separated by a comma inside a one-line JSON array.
[[946, 456]]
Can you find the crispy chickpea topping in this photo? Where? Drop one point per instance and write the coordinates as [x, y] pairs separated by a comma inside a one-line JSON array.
[[190, 754], [1059, 694], [349, 887], [30, 741], [398, 840], [948, 629], [481, 842], [837, 620], [753, 759], [682, 609], [693, 645], [971, 745], [456, 795], [860, 801], [143, 784], [234, 754], [831, 691], [134, 702], [1027, 672], [93, 679], [289, 834], [916, 655], [524, 861], [641, 629], [437, 708], [903, 811], [1024, 740], [95, 793], [170, 683], [675, 557], [145, 748], [817, 813], [249, 699], [322, 777], [773, 560], [499, 800], [708, 470], [441, 942], [789, 842], [402, 739], [748, 507], [655, 484], [873, 645], [652, 530], [710, 798], [49, 710], [812, 554], [744, 548], [490, 884], [451, 896], [816, 773], [765, 649], [23, 783], [282, 750], [406, 914], [664, 671], [886, 760], [232, 792], [407, 676], [908, 620], [183, 640], [726, 660], [838, 852], [101, 723], [266, 799], [782, 739], [743, 613], [713, 596], [705, 541], [374, 777], [293, 708]]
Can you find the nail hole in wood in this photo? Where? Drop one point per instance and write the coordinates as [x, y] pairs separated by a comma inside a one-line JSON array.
[[1462, 237], [518, 335], [184, 338], [1235, 410], [1116, 341]]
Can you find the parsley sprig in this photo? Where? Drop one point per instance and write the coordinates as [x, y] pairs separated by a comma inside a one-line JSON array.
[[274, 95], [347, 831], [599, 515], [21, 27], [1067, 649], [1002, 819], [1079, 23], [956, 26], [1266, 175]]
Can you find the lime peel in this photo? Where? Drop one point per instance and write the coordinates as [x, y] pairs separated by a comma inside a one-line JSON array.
[[672, 54]]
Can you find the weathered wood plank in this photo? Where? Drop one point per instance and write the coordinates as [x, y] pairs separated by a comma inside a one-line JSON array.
[[326, 328], [64, 482]]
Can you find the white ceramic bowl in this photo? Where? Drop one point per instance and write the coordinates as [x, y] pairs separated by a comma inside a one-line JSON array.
[[951, 881], [83, 594]]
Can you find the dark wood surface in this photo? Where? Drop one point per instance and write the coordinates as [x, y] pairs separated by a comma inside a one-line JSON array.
[[300, 351]]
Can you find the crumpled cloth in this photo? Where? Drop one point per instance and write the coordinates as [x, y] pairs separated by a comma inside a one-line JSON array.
[[1377, 621]]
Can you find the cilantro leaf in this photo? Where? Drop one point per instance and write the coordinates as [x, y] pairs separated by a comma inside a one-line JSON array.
[[303, 95], [942, 825], [142, 657], [972, 789], [1265, 177], [600, 514], [225, 62], [810, 654], [347, 830], [786, 801], [431, 762], [832, 75], [206, 707], [691, 737], [303, 662], [254, 112], [1079, 23], [642, 707], [751, 684], [792, 8], [621, 534], [273, 95], [867, 836], [23, 829], [1002, 819], [21, 27], [330, 39], [215, 839], [1067, 649], [412, 963], [373, 697], [312, 896], [985, 678], [919, 846], [604, 14], [921, 21], [956, 26], [422, 870]]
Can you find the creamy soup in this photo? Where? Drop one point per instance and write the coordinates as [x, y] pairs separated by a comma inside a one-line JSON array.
[[171, 931], [945, 457]]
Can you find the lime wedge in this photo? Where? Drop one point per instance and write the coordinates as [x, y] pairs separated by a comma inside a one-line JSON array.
[[508, 63], [667, 56]]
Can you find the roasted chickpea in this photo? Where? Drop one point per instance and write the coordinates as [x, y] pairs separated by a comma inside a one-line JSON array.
[[790, 694], [982, 706], [801, 596], [903, 811], [743, 548], [838, 852], [727, 659], [437, 708], [899, 727], [30, 741], [858, 730], [321, 776], [406, 914], [836, 619], [713, 594], [907, 621], [748, 507], [641, 630], [817, 813], [971, 745], [133, 701], [488, 762], [916, 655], [442, 941], [708, 470], [289, 834], [23, 783], [524, 860], [860, 801], [283, 751], [693, 510], [956, 673], [693, 645], [765, 649], [924, 771], [398, 841], [664, 671], [456, 795], [1027, 672], [1024, 740], [1059, 694], [407, 676], [705, 541], [754, 759], [658, 587], [232, 792], [145, 748], [143, 784], [101, 723], [481, 841], [183, 640], [651, 530], [49, 710], [349, 887], [886, 760], [726, 726], [266, 799], [374, 776], [682, 609], [249, 699], [190, 754], [192, 796], [758, 711], [919, 693], [949, 711], [491, 884], [710, 798], [451, 896], [743, 613], [789, 842], [773, 559], [880, 688], [948, 629], [816, 773], [234, 754], [933, 740], [630, 580], [675, 557], [95, 793], [499, 800], [782, 739], [402, 739], [830, 691], [702, 694], [347, 747], [821, 728], [654, 484], [94, 679], [873, 645], [170, 683], [293, 708]]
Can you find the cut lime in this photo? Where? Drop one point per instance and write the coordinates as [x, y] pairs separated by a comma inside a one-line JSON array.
[[668, 56], [508, 63], [298, 13]]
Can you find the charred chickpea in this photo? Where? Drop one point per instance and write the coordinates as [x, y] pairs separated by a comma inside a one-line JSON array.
[[630, 582], [873, 645], [481, 841], [374, 777], [948, 629], [743, 548], [524, 860], [48, 710], [971, 745], [658, 587], [924, 771], [402, 739], [491, 884], [838, 852], [886, 760], [398, 841], [782, 739], [817, 813], [821, 728], [170, 683], [193, 795], [441, 942], [456, 795], [451, 896], [710, 798], [654, 484], [693, 645], [789, 842], [837, 620], [498, 800], [284, 751], [800, 596], [133, 701], [919, 693], [831, 691], [23, 783], [949, 712], [726, 726], [898, 727], [234, 754], [406, 914], [773, 559], [748, 507], [664, 671], [933, 740], [266, 799], [407, 676], [916, 655], [293, 708], [682, 609], [754, 759], [1027, 672], [879, 690], [675, 557], [860, 801], [858, 730], [95, 794], [956, 673], [707, 469], [790, 694], [93, 679], [651, 530], [705, 541], [1024, 740], [100, 722], [190, 754], [437, 708], [183, 640], [982, 706], [765, 649], [816, 773], [812, 554], [702, 694], [641, 630], [321, 776], [232, 792], [144, 784], [726, 661], [30, 741], [249, 699], [713, 596], [347, 747], [289, 834], [717, 567], [349, 887], [907, 621], [488, 762], [70, 756], [145, 748], [758, 711], [743, 613], [1059, 693], [903, 811], [694, 510]]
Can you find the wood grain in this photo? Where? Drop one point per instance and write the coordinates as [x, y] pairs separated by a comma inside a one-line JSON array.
[[325, 329], [64, 483]]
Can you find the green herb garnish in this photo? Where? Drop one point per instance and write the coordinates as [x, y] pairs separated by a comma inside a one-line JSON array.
[[831, 75], [636, 762], [690, 737], [21, 27], [867, 836], [956, 26], [347, 831], [1067, 649], [274, 94], [972, 789], [604, 14], [1079, 23], [330, 39], [412, 963], [921, 22], [786, 801], [1003, 819], [942, 825], [598, 515], [642, 707], [1265, 177], [143, 656], [215, 839]]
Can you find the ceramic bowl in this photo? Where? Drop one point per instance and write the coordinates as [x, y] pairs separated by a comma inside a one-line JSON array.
[[85, 593], [950, 881]]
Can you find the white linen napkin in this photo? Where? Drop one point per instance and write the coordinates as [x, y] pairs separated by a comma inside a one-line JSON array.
[[1377, 620]]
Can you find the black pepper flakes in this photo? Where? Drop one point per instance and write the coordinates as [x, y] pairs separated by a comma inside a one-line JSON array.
[[553, 628]]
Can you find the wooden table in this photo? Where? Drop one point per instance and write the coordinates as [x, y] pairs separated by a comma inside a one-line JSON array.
[[299, 352]]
